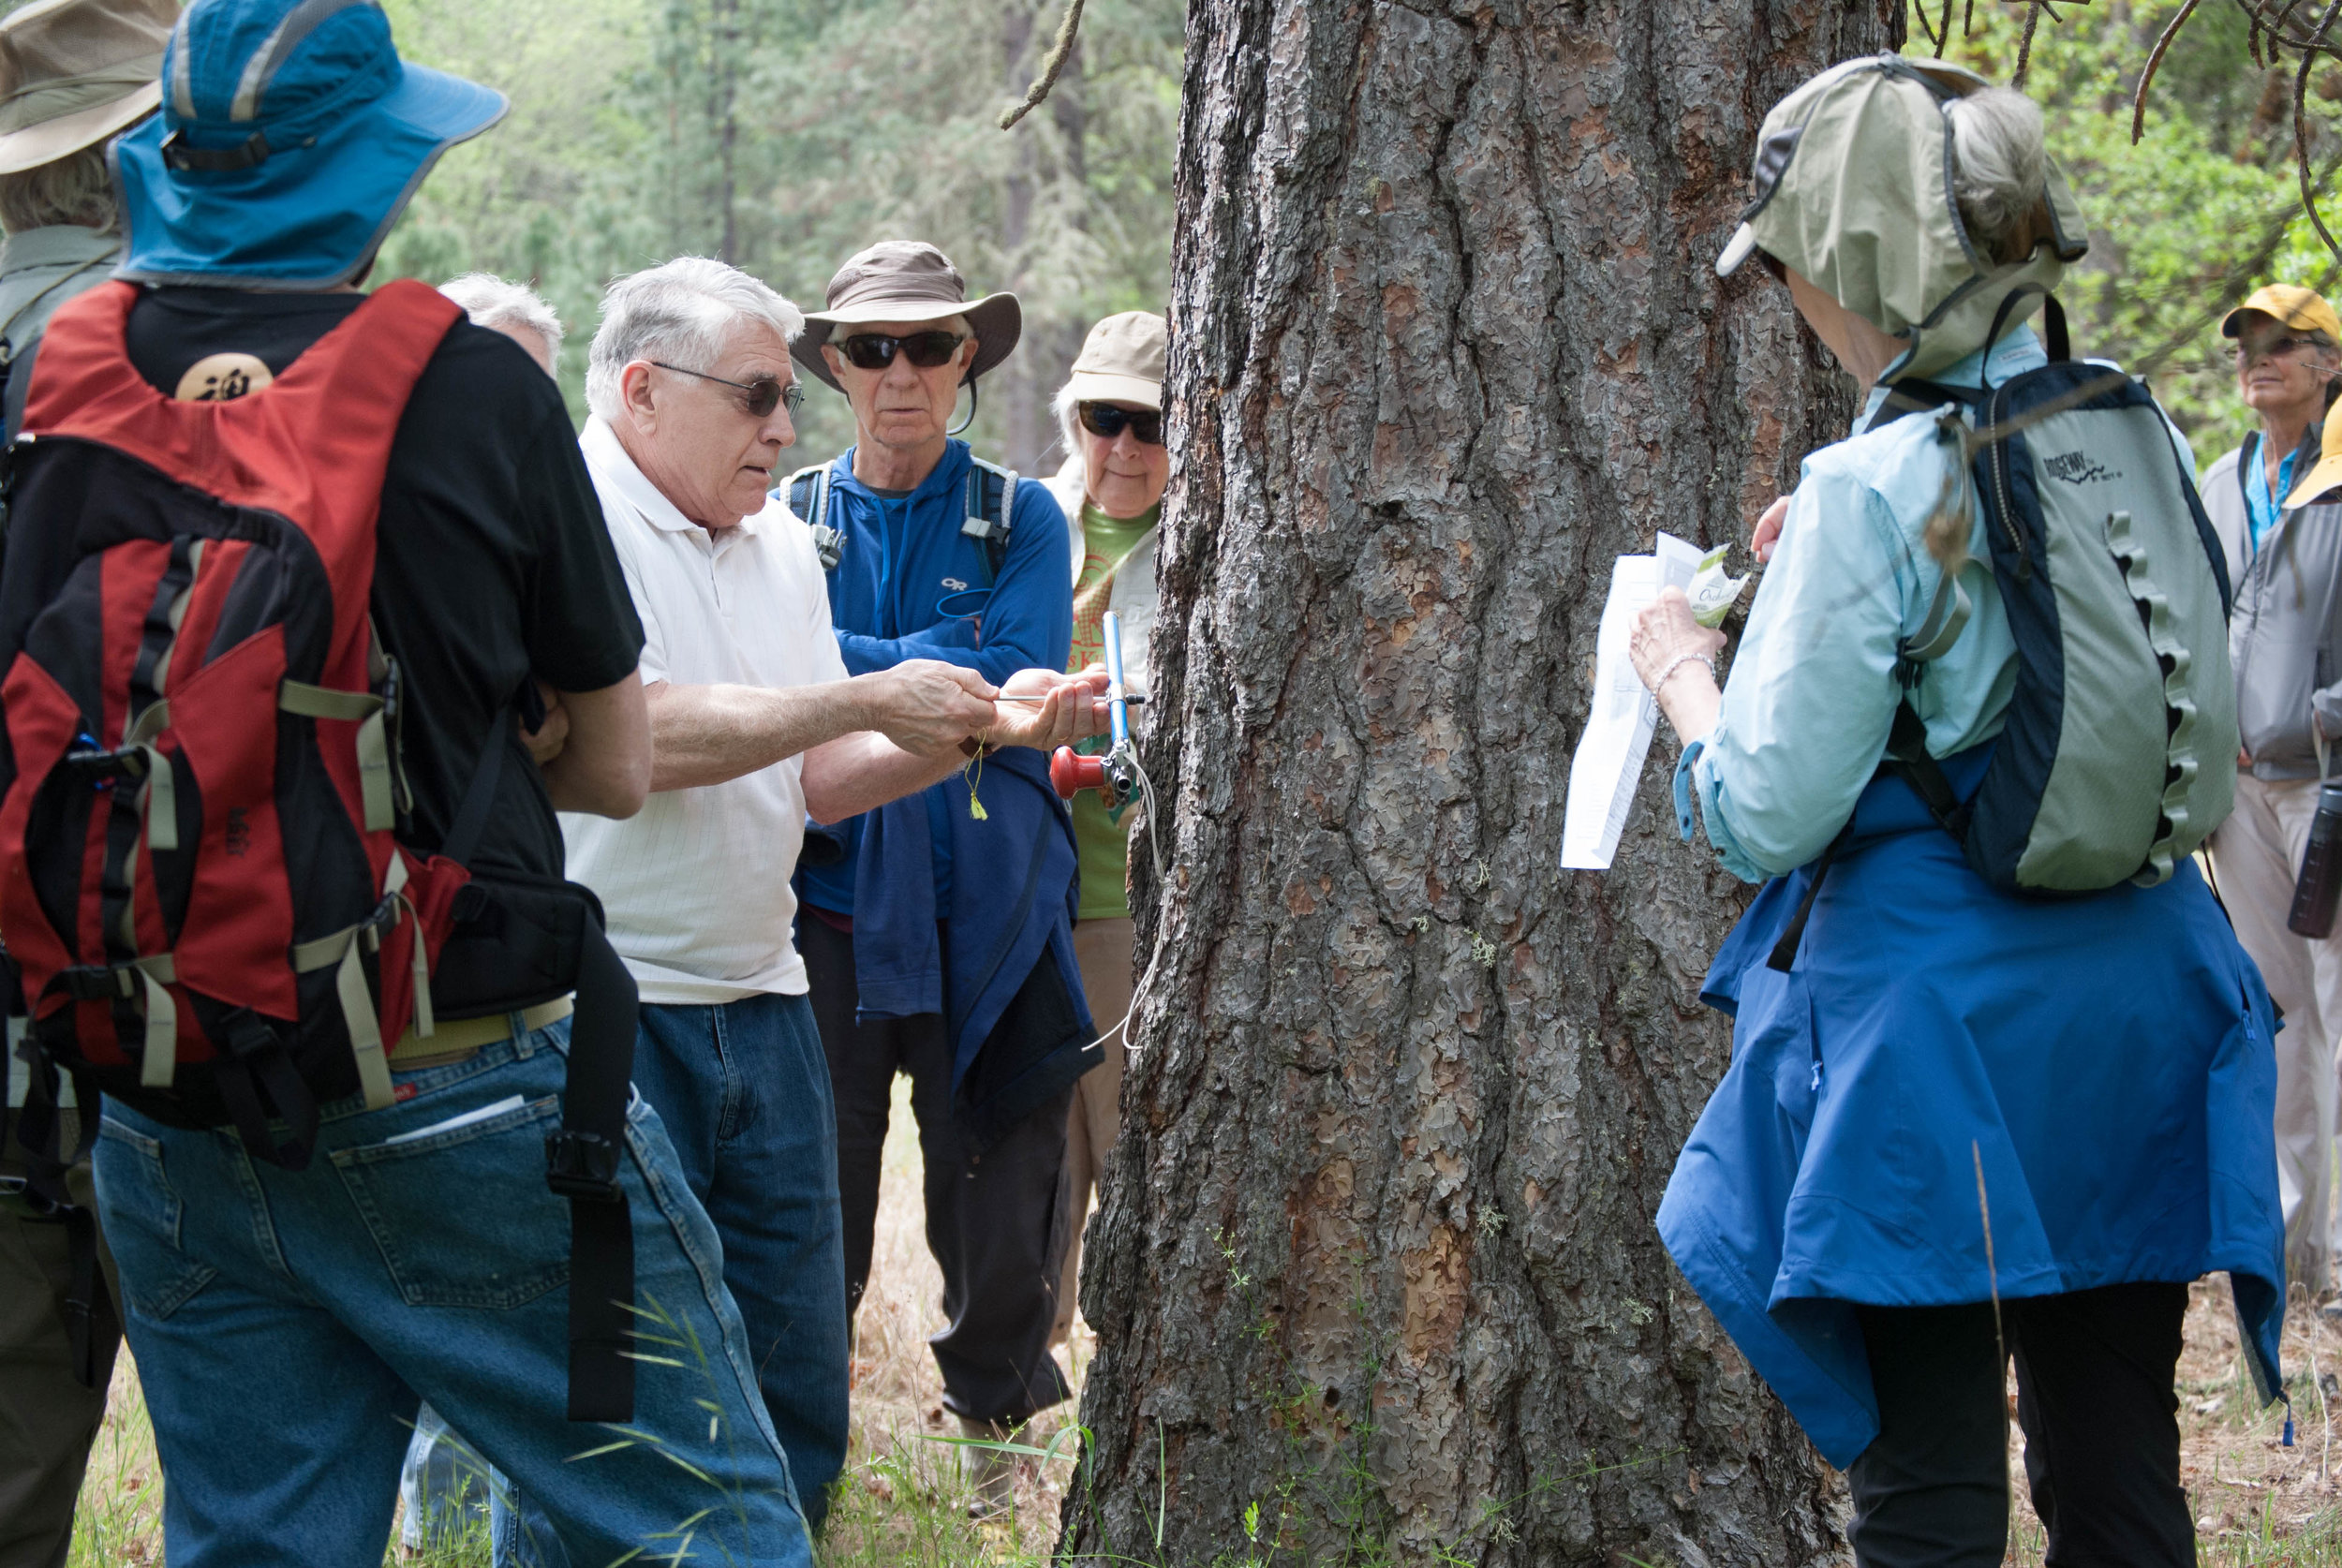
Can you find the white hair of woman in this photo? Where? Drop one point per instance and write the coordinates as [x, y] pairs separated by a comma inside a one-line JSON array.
[[1998, 164], [499, 305], [680, 311], [1067, 406]]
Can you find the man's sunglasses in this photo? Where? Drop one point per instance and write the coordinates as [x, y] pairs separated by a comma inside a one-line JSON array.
[[928, 350], [764, 394], [1107, 421]]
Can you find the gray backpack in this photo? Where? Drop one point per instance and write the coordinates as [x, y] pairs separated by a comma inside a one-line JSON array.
[[2118, 756]]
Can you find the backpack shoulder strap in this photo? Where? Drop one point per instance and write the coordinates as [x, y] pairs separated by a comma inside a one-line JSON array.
[[808, 497], [992, 509], [18, 385]]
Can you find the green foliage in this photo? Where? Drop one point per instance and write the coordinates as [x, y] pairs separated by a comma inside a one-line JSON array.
[[785, 135], [2177, 221]]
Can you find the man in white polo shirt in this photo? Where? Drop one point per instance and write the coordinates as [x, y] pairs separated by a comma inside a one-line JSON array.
[[754, 724]]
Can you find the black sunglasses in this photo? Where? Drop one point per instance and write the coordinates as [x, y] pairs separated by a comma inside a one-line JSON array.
[[766, 394], [1103, 420], [2275, 348], [928, 350]]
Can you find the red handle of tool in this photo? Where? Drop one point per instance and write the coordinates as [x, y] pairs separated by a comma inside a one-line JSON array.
[[1071, 772]]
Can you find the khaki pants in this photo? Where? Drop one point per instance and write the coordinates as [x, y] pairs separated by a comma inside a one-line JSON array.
[[2256, 856], [47, 1419], [1102, 948]]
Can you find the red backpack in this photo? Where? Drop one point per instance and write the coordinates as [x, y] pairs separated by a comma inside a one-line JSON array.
[[199, 885]]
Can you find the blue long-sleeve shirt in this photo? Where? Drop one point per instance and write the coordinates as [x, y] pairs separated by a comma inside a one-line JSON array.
[[1812, 695], [910, 584]]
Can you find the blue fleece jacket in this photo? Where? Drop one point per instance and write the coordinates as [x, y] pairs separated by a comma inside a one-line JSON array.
[[910, 584]]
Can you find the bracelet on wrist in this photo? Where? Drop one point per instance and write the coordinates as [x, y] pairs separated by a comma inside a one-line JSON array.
[[1676, 663]]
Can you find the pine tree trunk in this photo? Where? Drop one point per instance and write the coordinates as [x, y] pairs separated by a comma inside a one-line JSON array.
[[1376, 1254]]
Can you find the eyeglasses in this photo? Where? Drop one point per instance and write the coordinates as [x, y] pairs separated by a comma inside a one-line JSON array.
[[1107, 421], [928, 350], [766, 393]]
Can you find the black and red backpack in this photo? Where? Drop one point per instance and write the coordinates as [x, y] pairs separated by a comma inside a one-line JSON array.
[[202, 887]]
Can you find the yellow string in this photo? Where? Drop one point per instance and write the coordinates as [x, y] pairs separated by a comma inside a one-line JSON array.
[[972, 770]]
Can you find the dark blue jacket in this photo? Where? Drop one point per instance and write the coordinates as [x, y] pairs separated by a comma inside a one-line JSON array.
[[908, 583]]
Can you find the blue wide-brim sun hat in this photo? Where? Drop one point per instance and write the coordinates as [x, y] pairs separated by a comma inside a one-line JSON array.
[[291, 137]]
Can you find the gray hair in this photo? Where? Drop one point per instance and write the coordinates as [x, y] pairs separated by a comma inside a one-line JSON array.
[[680, 310], [75, 189], [499, 305], [1068, 410], [1999, 165]]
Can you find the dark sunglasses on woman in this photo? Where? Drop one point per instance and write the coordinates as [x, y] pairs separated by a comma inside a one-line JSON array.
[[876, 351], [1103, 420], [765, 392]]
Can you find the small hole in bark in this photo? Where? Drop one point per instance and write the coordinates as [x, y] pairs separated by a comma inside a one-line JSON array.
[[1333, 1395]]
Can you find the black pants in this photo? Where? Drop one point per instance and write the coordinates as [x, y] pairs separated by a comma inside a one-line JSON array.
[[998, 1223], [2101, 1432]]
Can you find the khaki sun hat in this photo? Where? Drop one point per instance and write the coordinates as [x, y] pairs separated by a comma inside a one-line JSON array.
[[1121, 361], [1853, 192], [2305, 310], [2328, 473], [908, 280], [74, 72]]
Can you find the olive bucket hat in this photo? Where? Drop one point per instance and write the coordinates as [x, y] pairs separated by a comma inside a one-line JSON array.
[[291, 138], [907, 280], [1853, 192], [74, 72]]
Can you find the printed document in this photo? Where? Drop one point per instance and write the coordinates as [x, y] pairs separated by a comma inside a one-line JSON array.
[[1609, 764]]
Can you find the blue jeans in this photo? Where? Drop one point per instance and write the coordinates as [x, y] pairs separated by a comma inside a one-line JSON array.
[[443, 1491], [285, 1323], [743, 1090]]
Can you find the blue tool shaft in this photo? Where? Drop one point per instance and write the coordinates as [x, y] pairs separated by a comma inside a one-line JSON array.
[[1117, 710]]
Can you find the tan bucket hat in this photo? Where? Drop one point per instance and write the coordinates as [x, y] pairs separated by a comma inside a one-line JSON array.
[[74, 72], [1121, 361], [908, 280], [1853, 192]]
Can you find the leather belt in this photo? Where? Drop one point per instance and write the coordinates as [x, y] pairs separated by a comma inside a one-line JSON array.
[[458, 1038]]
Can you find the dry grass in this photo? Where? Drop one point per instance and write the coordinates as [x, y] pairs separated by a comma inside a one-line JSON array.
[[901, 1500], [2258, 1504]]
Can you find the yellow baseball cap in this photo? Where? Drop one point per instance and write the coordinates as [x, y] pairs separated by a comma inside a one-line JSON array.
[[2305, 310], [2328, 473]]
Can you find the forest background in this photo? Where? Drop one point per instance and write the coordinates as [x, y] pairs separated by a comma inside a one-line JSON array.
[[783, 134]]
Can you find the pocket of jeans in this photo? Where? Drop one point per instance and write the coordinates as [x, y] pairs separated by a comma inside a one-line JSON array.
[[463, 1218], [142, 1219]]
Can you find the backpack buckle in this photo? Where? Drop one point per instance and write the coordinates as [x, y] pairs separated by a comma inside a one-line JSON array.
[[98, 767], [583, 1165], [20, 1197], [829, 546]]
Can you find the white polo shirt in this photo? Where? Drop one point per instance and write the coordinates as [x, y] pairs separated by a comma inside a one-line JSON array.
[[696, 884]]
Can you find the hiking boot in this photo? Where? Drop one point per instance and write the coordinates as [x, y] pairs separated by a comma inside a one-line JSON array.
[[990, 1475]]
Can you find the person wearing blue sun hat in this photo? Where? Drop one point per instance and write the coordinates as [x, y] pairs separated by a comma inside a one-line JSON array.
[[291, 137], [288, 1317]]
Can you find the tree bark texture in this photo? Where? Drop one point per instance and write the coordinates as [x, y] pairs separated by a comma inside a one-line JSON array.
[[1377, 1257]]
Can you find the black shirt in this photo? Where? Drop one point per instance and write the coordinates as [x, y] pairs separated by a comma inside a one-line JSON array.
[[492, 561]]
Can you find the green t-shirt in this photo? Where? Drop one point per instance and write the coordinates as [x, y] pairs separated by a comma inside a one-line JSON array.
[[1099, 839]]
